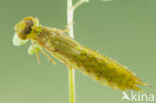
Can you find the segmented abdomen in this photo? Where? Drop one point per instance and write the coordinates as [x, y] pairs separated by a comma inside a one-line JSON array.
[[105, 70], [92, 63]]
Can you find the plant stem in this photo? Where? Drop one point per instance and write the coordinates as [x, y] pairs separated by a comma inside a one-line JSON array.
[[71, 77], [71, 71], [76, 5], [70, 13]]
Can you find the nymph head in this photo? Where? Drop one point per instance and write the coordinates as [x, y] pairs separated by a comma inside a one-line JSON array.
[[24, 28]]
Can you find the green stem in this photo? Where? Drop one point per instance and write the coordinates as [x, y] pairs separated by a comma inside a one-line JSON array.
[[71, 71], [71, 77]]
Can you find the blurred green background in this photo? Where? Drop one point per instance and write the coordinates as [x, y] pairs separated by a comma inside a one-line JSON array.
[[122, 29]]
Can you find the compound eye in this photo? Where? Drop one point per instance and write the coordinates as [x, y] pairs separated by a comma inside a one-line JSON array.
[[27, 29]]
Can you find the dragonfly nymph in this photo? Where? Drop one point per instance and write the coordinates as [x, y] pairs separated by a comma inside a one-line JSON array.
[[73, 54]]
